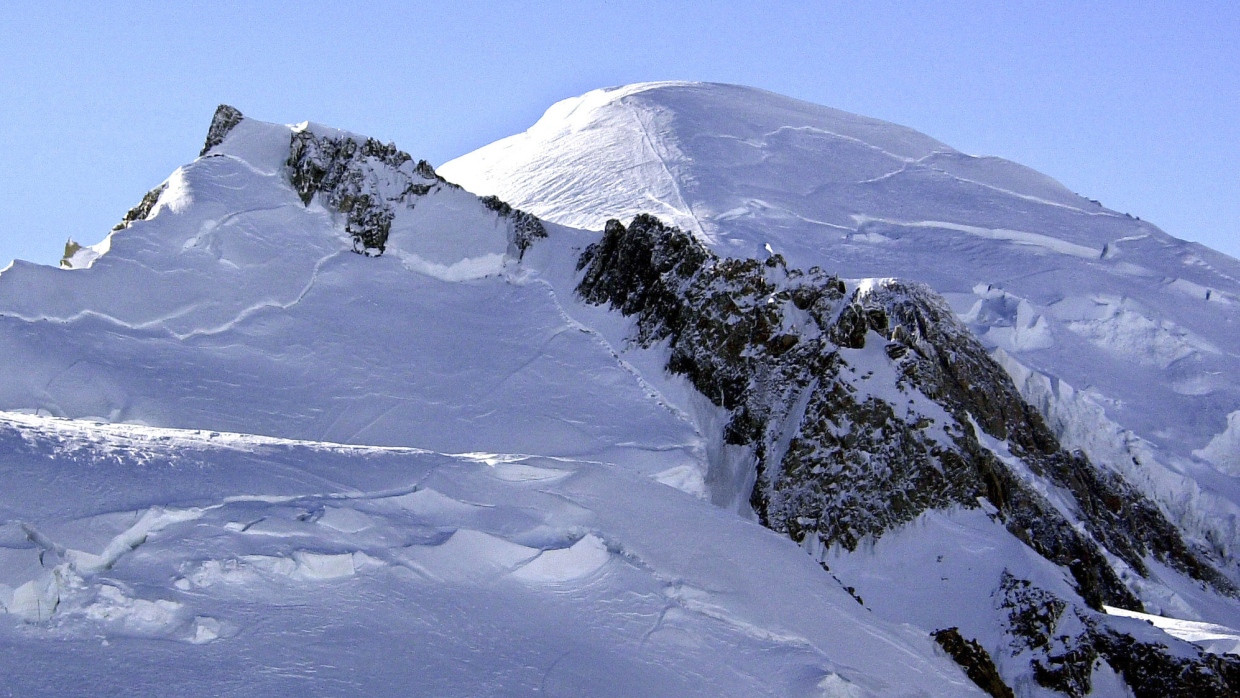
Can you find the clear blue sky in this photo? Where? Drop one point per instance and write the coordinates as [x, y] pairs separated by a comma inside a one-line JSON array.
[[1136, 104]]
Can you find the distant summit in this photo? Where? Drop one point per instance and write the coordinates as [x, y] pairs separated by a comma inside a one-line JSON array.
[[679, 149]]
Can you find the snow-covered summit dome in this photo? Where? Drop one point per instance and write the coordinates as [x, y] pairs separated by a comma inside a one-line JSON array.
[[682, 150]]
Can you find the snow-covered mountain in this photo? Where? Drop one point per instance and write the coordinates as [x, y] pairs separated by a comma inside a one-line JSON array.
[[1126, 339], [233, 302], [1133, 336], [325, 418]]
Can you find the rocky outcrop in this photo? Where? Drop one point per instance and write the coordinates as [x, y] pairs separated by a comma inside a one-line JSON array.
[[367, 182], [71, 248], [226, 119], [941, 357], [363, 180], [866, 406], [844, 454], [525, 227], [1064, 644], [975, 661], [142, 211], [1152, 670]]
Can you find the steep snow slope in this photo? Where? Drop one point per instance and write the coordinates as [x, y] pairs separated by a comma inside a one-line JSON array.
[[1127, 339], [235, 306], [138, 560]]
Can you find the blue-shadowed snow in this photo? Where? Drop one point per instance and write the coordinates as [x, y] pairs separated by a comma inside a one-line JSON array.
[[237, 307], [196, 563], [258, 494]]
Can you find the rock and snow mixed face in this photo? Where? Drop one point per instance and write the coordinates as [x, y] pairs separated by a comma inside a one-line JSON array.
[[871, 414], [1128, 340]]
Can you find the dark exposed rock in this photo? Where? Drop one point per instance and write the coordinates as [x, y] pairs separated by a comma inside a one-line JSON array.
[[975, 660], [526, 228], [346, 172], [1060, 661], [142, 210], [947, 365], [1070, 672], [1153, 671], [497, 205], [857, 465], [1064, 655], [226, 119], [1033, 612], [367, 181]]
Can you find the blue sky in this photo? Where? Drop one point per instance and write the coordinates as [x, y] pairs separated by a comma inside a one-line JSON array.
[[1136, 104]]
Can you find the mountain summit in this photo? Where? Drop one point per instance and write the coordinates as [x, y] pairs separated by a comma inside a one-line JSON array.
[[709, 157], [324, 418]]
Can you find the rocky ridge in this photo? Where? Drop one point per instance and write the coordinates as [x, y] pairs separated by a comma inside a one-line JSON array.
[[849, 442], [1122, 336], [1064, 643], [366, 180], [143, 209], [225, 119]]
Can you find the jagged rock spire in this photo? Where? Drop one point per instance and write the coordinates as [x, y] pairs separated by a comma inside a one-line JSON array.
[[225, 119]]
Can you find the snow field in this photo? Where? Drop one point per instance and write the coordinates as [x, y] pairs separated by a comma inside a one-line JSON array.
[[387, 569]]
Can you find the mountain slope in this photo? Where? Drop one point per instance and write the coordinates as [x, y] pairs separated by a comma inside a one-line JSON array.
[[1124, 337], [236, 306], [871, 414], [302, 287]]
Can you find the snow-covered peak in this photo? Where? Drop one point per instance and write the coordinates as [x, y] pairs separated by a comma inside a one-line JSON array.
[[246, 223], [671, 148], [750, 110], [234, 297], [260, 144]]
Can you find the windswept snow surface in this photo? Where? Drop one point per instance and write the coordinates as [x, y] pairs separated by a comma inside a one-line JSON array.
[[141, 560], [1126, 338]]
